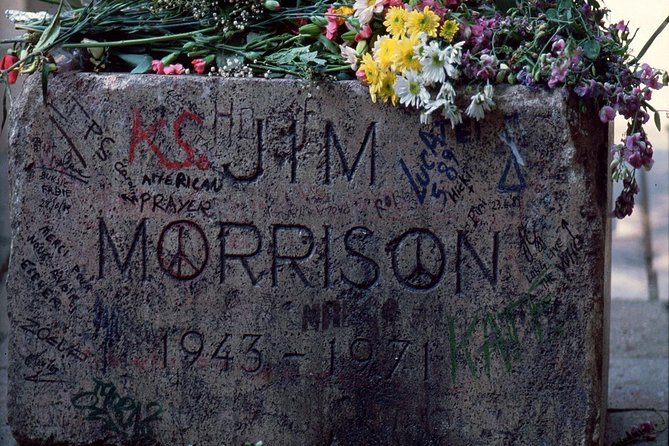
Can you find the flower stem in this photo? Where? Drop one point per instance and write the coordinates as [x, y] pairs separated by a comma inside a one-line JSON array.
[[143, 41]]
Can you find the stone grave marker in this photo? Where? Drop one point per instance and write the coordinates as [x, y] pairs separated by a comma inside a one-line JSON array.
[[201, 261]]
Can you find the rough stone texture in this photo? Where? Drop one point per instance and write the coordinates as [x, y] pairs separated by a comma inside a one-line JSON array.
[[206, 261]]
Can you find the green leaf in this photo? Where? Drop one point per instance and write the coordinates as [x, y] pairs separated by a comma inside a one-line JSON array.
[[565, 4], [312, 56], [288, 55], [328, 44], [254, 37], [565, 8], [652, 38], [656, 119], [51, 32], [141, 63], [552, 14], [591, 49]]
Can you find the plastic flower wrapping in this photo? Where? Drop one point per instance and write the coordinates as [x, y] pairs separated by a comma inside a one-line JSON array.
[[440, 57]]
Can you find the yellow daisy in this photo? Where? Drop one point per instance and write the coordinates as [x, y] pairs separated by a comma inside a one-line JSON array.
[[405, 55], [385, 51], [395, 22], [371, 69], [426, 22], [448, 30], [386, 87]]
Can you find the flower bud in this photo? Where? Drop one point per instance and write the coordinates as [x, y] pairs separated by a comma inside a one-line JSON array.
[[614, 164], [272, 5], [319, 20], [310, 29], [96, 52], [349, 36], [7, 61], [167, 60], [361, 47]]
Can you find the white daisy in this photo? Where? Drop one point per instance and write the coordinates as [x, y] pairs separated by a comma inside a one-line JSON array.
[[410, 90], [453, 57], [429, 108], [433, 63], [350, 56], [452, 113], [488, 93], [446, 92], [481, 103], [365, 10], [453, 53]]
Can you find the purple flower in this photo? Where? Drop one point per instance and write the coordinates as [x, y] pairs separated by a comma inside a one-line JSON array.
[[557, 47], [621, 26], [607, 114], [590, 89], [558, 73], [649, 77], [488, 67], [638, 151], [525, 78]]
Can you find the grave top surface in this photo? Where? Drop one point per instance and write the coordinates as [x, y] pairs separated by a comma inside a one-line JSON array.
[[200, 260]]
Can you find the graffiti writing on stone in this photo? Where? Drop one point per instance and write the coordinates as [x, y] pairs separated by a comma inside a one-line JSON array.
[[145, 134], [68, 157], [122, 417], [439, 175], [42, 368], [561, 251], [54, 339]]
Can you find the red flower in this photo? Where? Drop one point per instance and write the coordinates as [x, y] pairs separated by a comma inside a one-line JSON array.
[[199, 65], [365, 33], [7, 61]]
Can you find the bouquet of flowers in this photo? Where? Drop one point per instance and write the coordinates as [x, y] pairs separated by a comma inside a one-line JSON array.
[[431, 55]]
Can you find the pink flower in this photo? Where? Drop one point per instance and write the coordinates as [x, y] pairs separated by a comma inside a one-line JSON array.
[[200, 65], [435, 6], [557, 47], [158, 67], [606, 114], [365, 33], [176, 68], [333, 23], [361, 76], [7, 61], [391, 3]]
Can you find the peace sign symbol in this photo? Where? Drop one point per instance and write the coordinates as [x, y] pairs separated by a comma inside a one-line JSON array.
[[183, 250], [423, 268]]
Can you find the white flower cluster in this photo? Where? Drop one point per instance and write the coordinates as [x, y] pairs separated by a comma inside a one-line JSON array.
[[430, 89]]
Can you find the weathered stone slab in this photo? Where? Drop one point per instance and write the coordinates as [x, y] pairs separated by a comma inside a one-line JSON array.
[[207, 261]]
